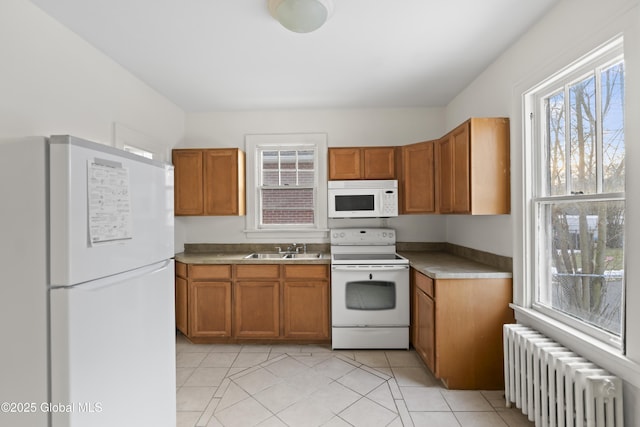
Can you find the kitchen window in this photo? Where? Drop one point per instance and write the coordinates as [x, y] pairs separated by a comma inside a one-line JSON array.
[[138, 151], [576, 150], [287, 173]]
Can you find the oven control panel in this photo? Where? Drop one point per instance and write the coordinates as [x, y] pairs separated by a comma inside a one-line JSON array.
[[363, 236]]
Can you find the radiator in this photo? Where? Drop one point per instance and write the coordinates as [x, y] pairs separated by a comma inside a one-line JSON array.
[[554, 386]]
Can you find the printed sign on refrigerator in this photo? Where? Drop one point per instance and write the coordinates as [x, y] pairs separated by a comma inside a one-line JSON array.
[[109, 202]]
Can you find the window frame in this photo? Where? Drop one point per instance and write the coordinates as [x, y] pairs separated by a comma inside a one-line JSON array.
[[254, 145], [138, 151], [536, 164], [124, 137]]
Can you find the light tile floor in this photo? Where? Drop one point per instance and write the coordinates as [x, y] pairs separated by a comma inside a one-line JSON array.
[[309, 385]]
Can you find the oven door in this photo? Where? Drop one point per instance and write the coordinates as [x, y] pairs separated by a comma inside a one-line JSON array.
[[373, 295]]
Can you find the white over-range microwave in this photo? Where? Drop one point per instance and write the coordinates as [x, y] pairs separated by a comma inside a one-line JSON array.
[[363, 199]]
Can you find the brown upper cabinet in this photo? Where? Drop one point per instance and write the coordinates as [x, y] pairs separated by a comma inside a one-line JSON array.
[[416, 178], [473, 168], [362, 163], [209, 181]]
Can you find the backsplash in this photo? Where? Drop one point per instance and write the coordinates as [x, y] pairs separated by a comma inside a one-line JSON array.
[[195, 248]]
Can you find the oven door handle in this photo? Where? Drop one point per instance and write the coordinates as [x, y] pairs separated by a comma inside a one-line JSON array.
[[369, 267]]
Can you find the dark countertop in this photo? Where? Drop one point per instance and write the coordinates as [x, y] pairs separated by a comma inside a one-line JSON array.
[[442, 265], [435, 264]]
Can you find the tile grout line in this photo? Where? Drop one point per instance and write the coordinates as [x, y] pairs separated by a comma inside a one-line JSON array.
[[207, 415], [403, 411]]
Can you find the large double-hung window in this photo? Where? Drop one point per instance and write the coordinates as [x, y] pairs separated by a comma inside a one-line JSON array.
[[577, 209]]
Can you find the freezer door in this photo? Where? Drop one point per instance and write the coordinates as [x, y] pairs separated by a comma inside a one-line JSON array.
[[113, 351], [110, 211]]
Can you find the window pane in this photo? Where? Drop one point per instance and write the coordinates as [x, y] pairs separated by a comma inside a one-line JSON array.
[[585, 273], [270, 178], [288, 177], [269, 160], [556, 145], [583, 133], [306, 159], [288, 159], [613, 128], [288, 206], [270, 172], [306, 178]]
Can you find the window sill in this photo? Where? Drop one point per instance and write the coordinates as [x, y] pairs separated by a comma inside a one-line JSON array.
[[607, 357], [287, 233]]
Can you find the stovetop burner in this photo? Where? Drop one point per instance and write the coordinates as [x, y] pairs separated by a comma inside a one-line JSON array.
[[364, 246]]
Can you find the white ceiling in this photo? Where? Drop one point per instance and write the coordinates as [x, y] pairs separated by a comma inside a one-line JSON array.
[[209, 55]]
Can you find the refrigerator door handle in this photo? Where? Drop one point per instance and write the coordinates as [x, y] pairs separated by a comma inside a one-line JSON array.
[[105, 282]]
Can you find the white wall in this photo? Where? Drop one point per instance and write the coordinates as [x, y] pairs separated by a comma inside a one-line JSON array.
[[571, 29], [53, 82], [343, 128]]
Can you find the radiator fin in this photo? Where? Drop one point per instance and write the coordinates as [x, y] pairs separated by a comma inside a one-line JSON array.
[[556, 387]]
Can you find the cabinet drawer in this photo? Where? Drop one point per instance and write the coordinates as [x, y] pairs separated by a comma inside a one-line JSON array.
[[423, 283], [306, 271], [209, 271], [262, 271], [181, 269]]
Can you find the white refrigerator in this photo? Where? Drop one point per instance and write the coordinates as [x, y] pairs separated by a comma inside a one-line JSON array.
[[86, 287]]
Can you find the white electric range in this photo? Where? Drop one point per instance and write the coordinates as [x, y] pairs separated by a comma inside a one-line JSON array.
[[369, 290]]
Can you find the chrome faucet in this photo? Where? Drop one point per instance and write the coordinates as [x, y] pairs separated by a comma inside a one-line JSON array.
[[292, 248]]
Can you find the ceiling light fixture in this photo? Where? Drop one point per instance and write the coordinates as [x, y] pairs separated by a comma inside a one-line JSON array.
[[301, 16]]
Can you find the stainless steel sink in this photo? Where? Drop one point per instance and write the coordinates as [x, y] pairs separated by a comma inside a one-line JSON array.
[[260, 255], [308, 255], [266, 255]]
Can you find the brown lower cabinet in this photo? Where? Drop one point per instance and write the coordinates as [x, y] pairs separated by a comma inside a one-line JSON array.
[[456, 328], [230, 303], [208, 304], [306, 303], [423, 312], [256, 301]]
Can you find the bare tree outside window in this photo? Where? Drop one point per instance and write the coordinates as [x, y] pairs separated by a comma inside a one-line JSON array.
[[581, 204]]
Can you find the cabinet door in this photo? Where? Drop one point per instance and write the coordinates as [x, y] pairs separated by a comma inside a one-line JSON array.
[[210, 309], [344, 163], [182, 310], [306, 309], [418, 178], [461, 169], [221, 192], [489, 166], [425, 328], [188, 185], [445, 173], [257, 309], [469, 318], [379, 162]]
